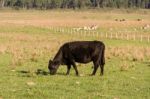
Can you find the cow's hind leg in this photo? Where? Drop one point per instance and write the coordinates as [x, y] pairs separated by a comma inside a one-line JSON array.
[[102, 61], [68, 69], [95, 67]]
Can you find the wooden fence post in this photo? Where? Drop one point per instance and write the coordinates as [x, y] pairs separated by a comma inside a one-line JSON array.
[[56, 29], [68, 30], [63, 30], [93, 34], [59, 29], [116, 36], [101, 35], [122, 36], [71, 32], [141, 38], [78, 33], [127, 37], [111, 35], [134, 37], [85, 34]]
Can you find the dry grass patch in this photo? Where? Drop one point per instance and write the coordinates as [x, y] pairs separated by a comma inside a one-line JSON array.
[[128, 53], [68, 18]]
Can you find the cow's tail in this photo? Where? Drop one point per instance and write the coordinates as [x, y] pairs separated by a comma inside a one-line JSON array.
[[102, 56]]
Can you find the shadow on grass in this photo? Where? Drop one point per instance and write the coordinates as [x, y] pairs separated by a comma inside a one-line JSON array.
[[24, 73], [41, 72], [44, 73]]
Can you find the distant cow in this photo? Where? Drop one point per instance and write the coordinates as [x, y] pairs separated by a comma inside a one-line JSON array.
[[81, 52]]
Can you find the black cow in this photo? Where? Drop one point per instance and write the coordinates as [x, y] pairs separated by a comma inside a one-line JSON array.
[[81, 52]]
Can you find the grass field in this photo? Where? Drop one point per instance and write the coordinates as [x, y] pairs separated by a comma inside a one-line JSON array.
[[27, 43]]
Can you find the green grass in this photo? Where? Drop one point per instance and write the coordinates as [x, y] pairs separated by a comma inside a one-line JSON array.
[[133, 83], [26, 49]]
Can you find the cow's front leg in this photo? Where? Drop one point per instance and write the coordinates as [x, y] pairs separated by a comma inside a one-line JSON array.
[[75, 67], [95, 68], [68, 69]]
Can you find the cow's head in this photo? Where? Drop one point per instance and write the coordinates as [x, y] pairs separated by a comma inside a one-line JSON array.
[[53, 66]]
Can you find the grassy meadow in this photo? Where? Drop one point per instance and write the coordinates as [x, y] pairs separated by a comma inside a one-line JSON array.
[[27, 42]]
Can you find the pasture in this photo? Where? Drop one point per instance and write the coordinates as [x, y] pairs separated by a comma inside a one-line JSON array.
[[28, 39]]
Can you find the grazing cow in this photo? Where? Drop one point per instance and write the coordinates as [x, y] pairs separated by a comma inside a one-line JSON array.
[[81, 52]]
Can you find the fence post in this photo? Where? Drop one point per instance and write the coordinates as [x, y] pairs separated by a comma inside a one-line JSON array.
[[148, 39], [122, 36], [111, 35], [141, 38], [134, 37], [68, 30], [106, 34], [85, 34], [52, 28], [102, 35], [116, 36], [99, 36], [57, 29], [127, 37], [79, 33], [71, 32]]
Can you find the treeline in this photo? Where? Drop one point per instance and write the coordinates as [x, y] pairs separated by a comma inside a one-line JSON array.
[[74, 4]]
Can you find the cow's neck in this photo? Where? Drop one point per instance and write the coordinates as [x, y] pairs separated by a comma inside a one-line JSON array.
[[58, 57]]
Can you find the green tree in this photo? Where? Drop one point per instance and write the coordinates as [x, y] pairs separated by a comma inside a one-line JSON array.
[[71, 4]]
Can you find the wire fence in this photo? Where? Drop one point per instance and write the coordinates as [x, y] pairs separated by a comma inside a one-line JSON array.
[[103, 35]]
